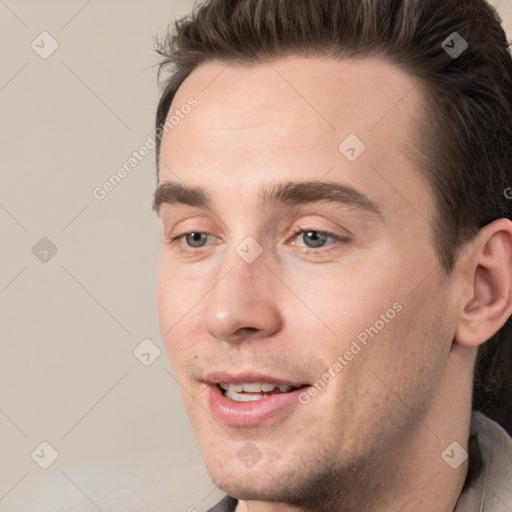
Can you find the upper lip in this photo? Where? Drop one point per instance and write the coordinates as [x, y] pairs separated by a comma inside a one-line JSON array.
[[218, 377]]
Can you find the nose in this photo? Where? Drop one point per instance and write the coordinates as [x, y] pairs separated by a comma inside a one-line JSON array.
[[243, 303]]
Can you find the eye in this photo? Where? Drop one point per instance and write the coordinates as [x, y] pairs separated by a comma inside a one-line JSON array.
[[314, 239], [194, 240]]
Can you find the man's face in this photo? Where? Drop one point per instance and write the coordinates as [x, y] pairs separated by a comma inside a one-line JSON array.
[[285, 277]]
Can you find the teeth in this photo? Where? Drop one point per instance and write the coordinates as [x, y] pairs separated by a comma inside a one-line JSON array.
[[249, 387], [257, 387], [248, 391], [232, 387], [244, 397]]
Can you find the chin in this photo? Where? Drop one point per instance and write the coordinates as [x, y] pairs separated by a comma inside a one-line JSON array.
[[249, 486], [236, 479]]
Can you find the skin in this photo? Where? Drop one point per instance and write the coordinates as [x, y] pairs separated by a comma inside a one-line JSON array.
[[372, 439]]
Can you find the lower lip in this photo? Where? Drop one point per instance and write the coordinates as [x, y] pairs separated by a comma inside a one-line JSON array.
[[249, 414]]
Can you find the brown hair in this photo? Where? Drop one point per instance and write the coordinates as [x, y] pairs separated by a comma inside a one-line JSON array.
[[466, 136]]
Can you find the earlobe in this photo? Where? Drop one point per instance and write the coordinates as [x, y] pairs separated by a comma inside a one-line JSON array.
[[490, 284]]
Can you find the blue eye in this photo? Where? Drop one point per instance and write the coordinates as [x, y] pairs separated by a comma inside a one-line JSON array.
[[196, 239], [315, 239]]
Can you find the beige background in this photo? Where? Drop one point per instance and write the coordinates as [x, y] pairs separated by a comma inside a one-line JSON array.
[[69, 325]]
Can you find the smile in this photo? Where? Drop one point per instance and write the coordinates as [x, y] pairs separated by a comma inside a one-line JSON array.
[[251, 399]]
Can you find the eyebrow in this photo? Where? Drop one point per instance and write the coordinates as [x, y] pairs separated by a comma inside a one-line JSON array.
[[285, 193]]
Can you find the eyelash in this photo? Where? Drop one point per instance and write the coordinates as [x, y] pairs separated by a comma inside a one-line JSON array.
[[296, 233]]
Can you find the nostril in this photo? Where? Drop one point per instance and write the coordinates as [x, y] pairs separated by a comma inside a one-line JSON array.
[[245, 330]]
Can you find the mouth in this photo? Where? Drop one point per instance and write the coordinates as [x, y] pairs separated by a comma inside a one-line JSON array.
[[249, 400]]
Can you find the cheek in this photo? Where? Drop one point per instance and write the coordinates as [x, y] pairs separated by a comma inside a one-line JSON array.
[[344, 301], [176, 313], [176, 295], [182, 351], [370, 315], [392, 380], [408, 357]]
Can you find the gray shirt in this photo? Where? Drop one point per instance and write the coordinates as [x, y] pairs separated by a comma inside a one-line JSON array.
[[488, 486]]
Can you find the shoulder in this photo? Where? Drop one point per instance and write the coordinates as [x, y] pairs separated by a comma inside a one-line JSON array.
[[491, 466]]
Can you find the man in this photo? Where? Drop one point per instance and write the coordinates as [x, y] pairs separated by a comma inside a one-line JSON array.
[[333, 180]]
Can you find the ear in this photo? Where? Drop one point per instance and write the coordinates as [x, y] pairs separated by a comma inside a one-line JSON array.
[[487, 303]]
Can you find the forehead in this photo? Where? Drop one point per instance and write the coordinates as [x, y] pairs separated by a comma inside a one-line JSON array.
[[288, 117]]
